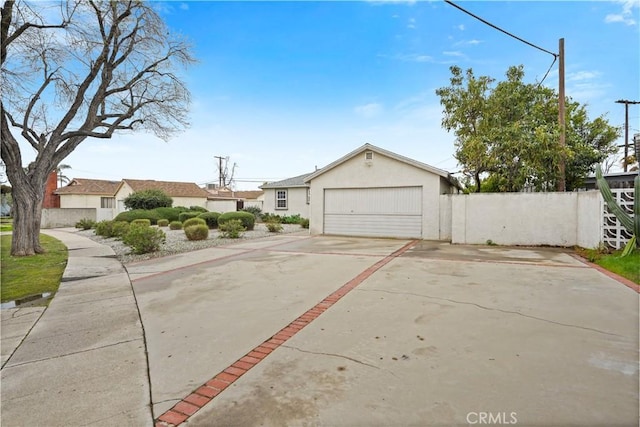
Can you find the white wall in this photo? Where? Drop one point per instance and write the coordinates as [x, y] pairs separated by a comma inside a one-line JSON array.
[[556, 219], [382, 171], [75, 201], [296, 202], [59, 217], [221, 206]]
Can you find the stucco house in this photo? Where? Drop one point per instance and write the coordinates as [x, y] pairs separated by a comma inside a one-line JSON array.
[[107, 197], [183, 193], [90, 193], [287, 197], [369, 192]]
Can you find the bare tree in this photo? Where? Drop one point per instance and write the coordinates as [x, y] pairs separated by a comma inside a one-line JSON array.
[[80, 69]]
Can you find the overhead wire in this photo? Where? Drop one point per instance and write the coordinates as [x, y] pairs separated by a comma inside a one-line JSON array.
[[555, 55]]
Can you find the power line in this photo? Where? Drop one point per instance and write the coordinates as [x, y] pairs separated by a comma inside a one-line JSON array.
[[500, 29], [547, 73]]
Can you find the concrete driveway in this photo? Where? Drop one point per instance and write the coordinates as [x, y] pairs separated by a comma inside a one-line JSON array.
[[332, 331], [295, 330]]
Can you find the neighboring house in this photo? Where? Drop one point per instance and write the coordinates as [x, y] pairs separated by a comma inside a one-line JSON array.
[[183, 193], [615, 180], [374, 192], [90, 193], [107, 197], [226, 200], [287, 197]]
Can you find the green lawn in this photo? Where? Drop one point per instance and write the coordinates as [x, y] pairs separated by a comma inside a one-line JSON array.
[[628, 266], [6, 224], [32, 275]]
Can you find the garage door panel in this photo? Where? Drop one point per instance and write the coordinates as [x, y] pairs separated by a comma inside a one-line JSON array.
[[374, 212], [380, 201], [403, 226]]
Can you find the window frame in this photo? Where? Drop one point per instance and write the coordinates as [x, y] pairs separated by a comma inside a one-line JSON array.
[[111, 202], [284, 199]]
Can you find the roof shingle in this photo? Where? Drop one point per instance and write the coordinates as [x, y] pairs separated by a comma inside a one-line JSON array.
[[96, 187], [173, 189]]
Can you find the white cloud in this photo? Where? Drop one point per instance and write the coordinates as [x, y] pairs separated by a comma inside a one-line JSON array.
[[369, 110], [460, 27], [184, 6], [455, 53], [411, 24], [472, 42], [626, 15], [582, 76]]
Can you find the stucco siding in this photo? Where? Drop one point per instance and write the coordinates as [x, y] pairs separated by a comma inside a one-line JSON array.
[[296, 202], [68, 201], [381, 171], [556, 219]]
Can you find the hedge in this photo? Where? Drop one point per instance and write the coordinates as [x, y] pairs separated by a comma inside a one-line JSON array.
[[247, 219]]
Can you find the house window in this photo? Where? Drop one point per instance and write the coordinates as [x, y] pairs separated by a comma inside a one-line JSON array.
[[281, 199], [368, 155], [107, 202], [308, 195]]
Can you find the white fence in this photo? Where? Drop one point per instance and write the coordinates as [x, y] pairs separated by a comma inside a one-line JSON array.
[[555, 219], [614, 234]]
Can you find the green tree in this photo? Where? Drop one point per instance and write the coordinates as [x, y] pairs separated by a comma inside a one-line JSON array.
[[507, 135], [148, 199], [84, 69]]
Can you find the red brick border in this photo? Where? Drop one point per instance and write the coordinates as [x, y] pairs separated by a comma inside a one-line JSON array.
[[204, 394], [628, 283]]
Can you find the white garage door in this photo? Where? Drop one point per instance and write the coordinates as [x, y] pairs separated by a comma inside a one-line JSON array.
[[374, 212]]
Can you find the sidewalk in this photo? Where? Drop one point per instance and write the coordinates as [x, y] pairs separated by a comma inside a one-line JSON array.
[[84, 360]]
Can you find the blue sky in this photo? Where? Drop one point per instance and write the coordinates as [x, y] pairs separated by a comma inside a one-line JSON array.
[[283, 87]]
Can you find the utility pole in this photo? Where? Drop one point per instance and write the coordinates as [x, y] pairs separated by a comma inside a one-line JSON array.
[[626, 128], [219, 170], [562, 183]]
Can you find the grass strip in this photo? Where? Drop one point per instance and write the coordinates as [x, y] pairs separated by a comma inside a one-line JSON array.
[[31, 275]]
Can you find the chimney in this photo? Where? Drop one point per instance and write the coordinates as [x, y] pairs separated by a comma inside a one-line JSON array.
[[51, 200]]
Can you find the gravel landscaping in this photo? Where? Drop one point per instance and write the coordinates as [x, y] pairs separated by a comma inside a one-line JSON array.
[[177, 242]]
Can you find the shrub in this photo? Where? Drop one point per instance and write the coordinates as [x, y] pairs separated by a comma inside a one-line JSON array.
[[247, 219], [144, 239], [170, 214], [304, 222], [197, 231], [119, 229], [255, 210], [199, 209], [211, 218], [231, 229], [148, 199], [292, 219], [86, 224], [175, 225], [129, 216], [267, 217], [163, 222], [193, 221], [142, 221], [103, 228], [108, 229], [274, 227], [183, 216]]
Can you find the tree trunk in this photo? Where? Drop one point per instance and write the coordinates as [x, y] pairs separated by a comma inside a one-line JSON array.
[[27, 216], [478, 182]]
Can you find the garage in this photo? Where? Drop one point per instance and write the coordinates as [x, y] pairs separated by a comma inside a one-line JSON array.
[[373, 192], [374, 212]]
